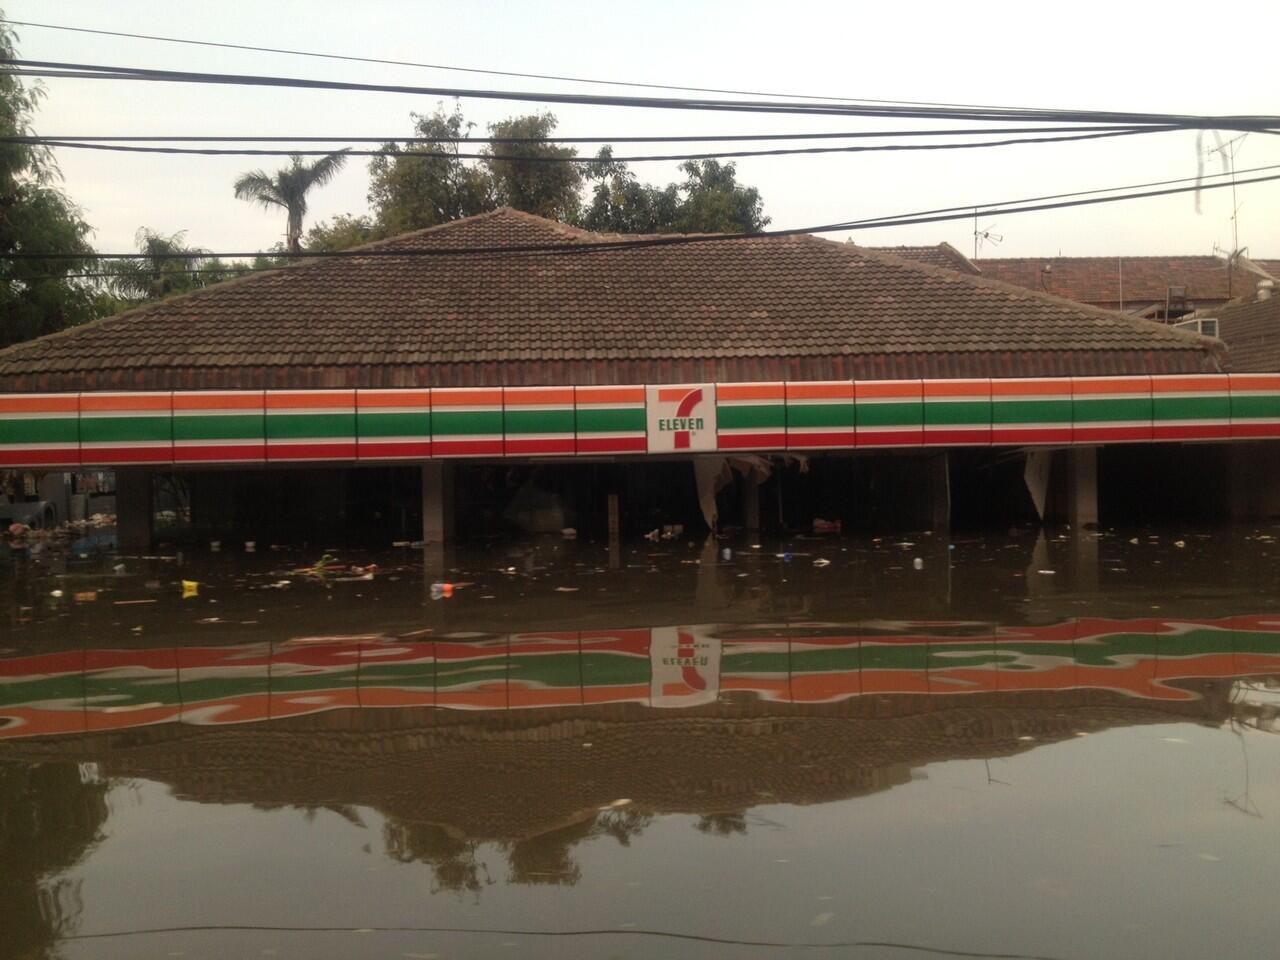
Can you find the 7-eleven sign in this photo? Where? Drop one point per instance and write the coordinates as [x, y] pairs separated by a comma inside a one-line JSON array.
[[682, 417]]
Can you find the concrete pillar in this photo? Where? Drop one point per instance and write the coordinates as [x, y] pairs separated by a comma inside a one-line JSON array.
[[1082, 487], [750, 503], [134, 510], [939, 486], [437, 502]]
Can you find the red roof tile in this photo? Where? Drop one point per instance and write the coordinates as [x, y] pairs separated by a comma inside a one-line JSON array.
[[1251, 332], [755, 308], [1128, 280], [943, 255]]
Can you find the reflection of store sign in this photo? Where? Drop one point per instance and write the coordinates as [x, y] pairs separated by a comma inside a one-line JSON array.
[[685, 665], [682, 417]]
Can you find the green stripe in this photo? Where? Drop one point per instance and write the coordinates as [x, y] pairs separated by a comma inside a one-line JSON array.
[[228, 426], [416, 424], [611, 420], [297, 426], [1103, 410], [747, 416], [59, 430], [1255, 406], [1031, 411], [118, 429], [965, 412], [1191, 408], [821, 415], [539, 421], [454, 423], [909, 413]]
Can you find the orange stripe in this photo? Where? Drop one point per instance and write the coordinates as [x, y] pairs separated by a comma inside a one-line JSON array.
[[39, 403], [1208, 382], [466, 398], [837, 390], [610, 394], [320, 400], [957, 388], [1030, 388], [867, 389], [750, 391], [1251, 381], [125, 401], [1083, 386], [217, 401], [528, 396], [393, 398]]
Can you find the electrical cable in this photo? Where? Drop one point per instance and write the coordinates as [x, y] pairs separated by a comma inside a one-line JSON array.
[[819, 109], [579, 249], [723, 154]]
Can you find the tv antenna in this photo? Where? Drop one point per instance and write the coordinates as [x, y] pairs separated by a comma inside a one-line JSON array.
[[984, 236]]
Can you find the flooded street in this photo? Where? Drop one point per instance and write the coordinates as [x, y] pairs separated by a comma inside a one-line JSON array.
[[1026, 745]]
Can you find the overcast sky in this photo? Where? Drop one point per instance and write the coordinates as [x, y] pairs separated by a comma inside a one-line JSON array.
[[1087, 55]]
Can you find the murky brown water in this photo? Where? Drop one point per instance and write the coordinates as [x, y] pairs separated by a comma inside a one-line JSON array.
[[1027, 746]]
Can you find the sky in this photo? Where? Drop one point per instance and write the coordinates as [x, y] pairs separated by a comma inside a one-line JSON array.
[[1088, 55]]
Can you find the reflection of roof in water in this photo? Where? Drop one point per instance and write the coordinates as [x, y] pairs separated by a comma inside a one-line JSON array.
[[512, 776]]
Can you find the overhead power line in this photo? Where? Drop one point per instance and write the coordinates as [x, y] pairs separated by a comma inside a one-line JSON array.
[[578, 249], [494, 73], [682, 138], [586, 160], [98, 71]]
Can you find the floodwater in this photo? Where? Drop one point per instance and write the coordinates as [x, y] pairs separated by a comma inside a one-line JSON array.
[[1018, 746]]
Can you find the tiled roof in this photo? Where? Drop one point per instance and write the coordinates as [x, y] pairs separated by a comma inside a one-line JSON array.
[[943, 255], [793, 307], [1270, 267], [1252, 334], [1113, 280]]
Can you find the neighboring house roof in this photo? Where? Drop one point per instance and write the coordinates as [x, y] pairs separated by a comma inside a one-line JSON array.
[[943, 255], [1269, 267], [1128, 280], [758, 308], [1251, 332]]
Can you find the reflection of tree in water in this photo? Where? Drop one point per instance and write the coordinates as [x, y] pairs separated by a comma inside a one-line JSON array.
[[49, 819], [453, 861], [722, 824], [546, 858]]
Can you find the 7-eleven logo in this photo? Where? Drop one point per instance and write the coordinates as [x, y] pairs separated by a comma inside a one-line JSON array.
[[682, 417], [685, 667]]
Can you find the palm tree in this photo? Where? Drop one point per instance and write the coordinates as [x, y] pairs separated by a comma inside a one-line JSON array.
[[164, 265], [288, 188]]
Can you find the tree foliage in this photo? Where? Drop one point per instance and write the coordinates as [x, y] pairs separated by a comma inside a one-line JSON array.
[[36, 296], [154, 273], [287, 188], [532, 176]]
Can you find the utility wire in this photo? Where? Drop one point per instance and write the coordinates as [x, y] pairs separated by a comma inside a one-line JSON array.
[[662, 103], [495, 73], [686, 138], [564, 249], [522, 158]]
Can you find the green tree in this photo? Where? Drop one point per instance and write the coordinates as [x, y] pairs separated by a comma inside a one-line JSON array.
[[36, 296], [154, 274], [619, 203], [425, 184], [714, 201], [288, 188], [343, 231], [534, 176]]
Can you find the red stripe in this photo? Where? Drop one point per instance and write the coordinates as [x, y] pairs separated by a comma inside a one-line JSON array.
[[1241, 430], [959, 435], [612, 444], [890, 438], [543, 446], [114, 455], [331, 450], [1103, 433], [744, 441], [466, 448], [1195, 431], [1030, 435], [235, 452], [23, 457], [393, 449], [829, 438]]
